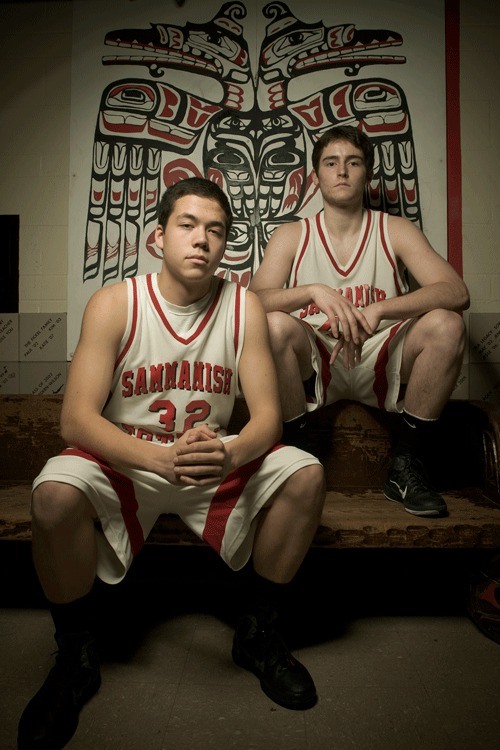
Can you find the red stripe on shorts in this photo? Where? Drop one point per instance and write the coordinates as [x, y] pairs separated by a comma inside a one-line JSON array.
[[381, 383], [225, 500], [124, 488]]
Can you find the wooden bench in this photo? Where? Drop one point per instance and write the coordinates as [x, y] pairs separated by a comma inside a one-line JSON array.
[[355, 444]]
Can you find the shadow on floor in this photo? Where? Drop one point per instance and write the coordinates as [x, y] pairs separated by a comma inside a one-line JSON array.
[[333, 588]]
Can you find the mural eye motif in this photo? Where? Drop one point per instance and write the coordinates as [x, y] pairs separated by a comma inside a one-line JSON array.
[[249, 130], [277, 123]]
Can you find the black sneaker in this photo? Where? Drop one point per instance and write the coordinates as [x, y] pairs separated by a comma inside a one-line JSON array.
[[51, 717], [259, 648], [407, 483]]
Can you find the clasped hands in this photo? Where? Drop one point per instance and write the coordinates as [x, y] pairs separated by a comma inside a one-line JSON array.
[[347, 323], [200, 458]]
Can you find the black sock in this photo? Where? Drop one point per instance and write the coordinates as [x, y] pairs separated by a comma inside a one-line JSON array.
[[415, 434], [266, 597], [75, 616], [294, 429]]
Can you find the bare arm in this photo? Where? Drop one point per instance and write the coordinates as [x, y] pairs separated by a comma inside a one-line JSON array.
[[274, 270], [439, 284], [259, 385], [88, 386], [273, 273]]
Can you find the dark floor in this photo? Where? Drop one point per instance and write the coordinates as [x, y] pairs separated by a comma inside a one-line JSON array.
[[397, 663]]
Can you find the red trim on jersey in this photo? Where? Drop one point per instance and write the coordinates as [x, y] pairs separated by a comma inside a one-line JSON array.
[[226, 498], [133, 327], [237, 318], [124, 488], [324, 242], [385, 245], [302, 250], [380, 384], [162, 316]]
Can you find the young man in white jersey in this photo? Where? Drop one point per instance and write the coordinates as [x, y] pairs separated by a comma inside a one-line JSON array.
[[344, 323], [150, 391]]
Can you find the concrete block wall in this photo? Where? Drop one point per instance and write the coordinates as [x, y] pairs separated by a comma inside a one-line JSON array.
[[33, 353]]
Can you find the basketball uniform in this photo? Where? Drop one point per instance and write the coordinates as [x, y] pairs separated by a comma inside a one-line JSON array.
[[372, 273], [177, 368]]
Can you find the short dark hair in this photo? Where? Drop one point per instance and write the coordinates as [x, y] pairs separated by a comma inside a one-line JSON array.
[[199, 186], [345, 133]]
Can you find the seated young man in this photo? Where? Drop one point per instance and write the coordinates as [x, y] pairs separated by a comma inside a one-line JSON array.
[[344, 323], [150, 392]]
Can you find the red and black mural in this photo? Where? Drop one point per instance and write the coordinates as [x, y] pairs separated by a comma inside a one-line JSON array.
[[248, 132]]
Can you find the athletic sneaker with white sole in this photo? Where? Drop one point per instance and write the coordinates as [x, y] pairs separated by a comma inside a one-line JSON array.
[[407, 483]]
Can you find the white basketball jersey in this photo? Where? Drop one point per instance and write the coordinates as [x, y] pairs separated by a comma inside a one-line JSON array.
[[371, 274], [177, 366]]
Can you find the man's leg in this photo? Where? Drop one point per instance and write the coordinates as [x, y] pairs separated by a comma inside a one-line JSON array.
[[64, 554], [287, 527], [283, 538], [292, 356], [432, 357]]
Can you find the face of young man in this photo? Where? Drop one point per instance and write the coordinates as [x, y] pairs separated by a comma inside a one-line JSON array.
[[193, 243], [342, 174]]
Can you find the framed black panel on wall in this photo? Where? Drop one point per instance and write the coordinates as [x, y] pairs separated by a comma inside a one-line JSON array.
[[9, 254]]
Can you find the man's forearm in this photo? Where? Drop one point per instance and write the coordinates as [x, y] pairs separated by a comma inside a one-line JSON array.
[[254, 439], [434, 296], [286, 300], [102, 438]]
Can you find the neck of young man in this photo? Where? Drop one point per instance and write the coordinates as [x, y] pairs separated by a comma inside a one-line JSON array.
[[182, 292], [343, 219]]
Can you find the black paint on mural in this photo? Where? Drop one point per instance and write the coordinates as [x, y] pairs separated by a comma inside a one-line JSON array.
[[247, 133]]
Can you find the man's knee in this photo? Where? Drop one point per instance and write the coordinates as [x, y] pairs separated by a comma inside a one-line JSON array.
[[288, 336], [443, 328], [54, 503], [450, 329], [445, 323], [309, 489], [279, 324], [449, 320]]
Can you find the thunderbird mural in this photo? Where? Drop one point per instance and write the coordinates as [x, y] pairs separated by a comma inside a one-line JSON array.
[[248, 133]]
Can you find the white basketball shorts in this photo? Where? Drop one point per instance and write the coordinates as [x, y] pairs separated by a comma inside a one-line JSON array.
[[129, 501]]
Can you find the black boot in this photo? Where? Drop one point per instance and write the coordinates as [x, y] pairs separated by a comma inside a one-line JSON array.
[[51, 717], [258, 647]]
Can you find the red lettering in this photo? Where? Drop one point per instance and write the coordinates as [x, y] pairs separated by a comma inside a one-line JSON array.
[[144, 435], [227, 381], [199, 412], [168, 413], [155, 378], [198, 376], [170, 375], [140, 382], [217, 374], [208, 377], [358, 296], [127, 383], [184, 376]]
